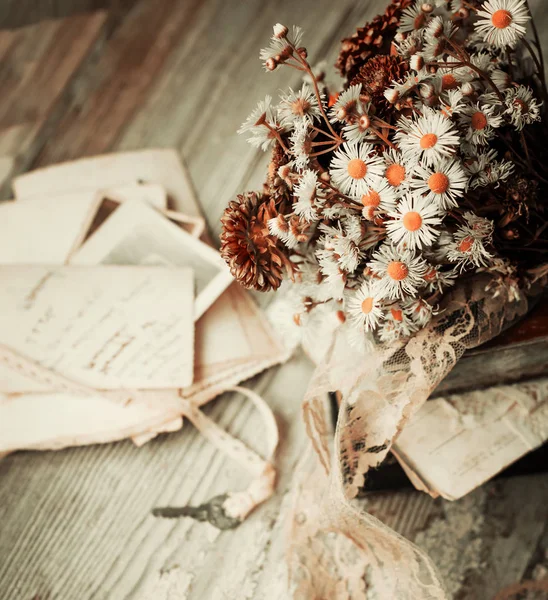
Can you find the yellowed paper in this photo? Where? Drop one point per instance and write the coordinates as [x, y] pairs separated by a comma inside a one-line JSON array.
[[457, 443], [137, 234], [106, 327], [44, 230]]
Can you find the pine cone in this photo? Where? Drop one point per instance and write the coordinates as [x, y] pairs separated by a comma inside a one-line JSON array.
[[372, 39], [255, 257], [377, 74]]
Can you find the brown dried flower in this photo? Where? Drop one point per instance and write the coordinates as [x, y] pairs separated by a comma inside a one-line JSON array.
[[256, 258], [372, 39]]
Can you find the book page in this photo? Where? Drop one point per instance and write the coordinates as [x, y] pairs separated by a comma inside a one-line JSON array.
[[136, 234], [106, 327], [455, 444]]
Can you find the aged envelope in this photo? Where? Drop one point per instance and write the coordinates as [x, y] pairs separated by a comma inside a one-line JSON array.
[[106, 327], [456, 443], [137, 234]]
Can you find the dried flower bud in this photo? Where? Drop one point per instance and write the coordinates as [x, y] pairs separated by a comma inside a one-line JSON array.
[[325, 177], [280, 31], [427, 8], [270, 64], [303, 53], [463, 13], [341, 317], [467, 89], [427, 90], [416, 62], [364, 122], [392, 96], [341, 113], [510, 234]]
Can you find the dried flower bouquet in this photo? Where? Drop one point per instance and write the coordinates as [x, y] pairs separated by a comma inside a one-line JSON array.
[[428, 167], [412, 206]]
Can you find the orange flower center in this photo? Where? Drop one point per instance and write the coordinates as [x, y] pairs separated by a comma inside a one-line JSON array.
[[429, 141], [479, 121], [356, 168], [466, 244], [430, 276], [449, 82], [521, 104], [372, 199], [438, 183], [397, 314], [367, 306], [395, 174], [412, 221], [501, 19], [397, 270], [332, 99]]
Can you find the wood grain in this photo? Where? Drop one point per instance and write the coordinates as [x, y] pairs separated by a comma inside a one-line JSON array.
[[77, 523]]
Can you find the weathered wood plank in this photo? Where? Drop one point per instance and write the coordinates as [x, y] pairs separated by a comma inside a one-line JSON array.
[[36, 65]]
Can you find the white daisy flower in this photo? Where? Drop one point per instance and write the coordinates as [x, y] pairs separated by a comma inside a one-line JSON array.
[[280, 48], [307, 193], [398, 170], [502, 22], [522, 107], [346, 104], [413, 223], [400, 271], [486, 170], [365, 307], [300, 144], [501, 79], [357, 132], [298, 106], [379, 199], [343, 243], [413, 18], [397, 325], [437, 280], [451, 103], [280, 228], [419, 311], [427, 138], [468, 248], [260, 124], [354, 169], [444, 183], [334, 278], [480, 122]]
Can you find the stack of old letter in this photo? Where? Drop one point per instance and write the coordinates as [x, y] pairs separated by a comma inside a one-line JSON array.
[[116, 318]]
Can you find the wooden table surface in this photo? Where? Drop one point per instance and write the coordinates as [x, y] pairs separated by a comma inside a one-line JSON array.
[[76, 524]]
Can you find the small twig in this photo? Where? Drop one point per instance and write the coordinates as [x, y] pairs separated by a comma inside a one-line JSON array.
[[277, 136]]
